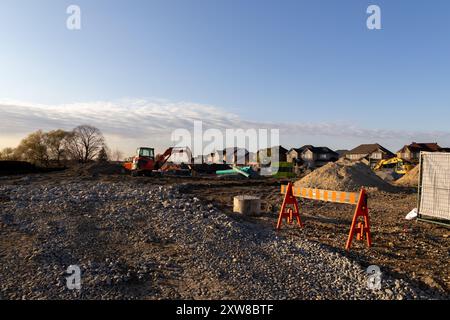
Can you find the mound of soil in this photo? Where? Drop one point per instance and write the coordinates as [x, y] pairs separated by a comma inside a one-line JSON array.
[[95, 169], [411, 179], [344, 175], [388, 175]]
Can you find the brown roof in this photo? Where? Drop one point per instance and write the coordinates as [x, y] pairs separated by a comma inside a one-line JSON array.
[[318, 150], [417, 147], [368, 149]]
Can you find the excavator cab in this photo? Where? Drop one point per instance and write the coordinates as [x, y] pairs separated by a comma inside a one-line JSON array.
[[146, 153], [144, 160]]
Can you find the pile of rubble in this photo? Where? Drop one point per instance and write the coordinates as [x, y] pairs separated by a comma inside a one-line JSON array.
[[411, 179], [94, 169], [135, 241], [344, 175]]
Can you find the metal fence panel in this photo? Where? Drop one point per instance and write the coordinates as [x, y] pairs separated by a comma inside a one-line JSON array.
[[434, 185]]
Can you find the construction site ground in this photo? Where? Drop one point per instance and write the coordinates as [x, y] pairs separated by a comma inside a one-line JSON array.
[[414, 251], [418, 251]]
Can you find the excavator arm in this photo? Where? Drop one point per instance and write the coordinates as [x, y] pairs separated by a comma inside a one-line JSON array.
[[161, 159], [382, 163], [402, 166]]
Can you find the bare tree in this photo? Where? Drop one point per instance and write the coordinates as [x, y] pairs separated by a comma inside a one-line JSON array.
[[85, 143], [116, 155]]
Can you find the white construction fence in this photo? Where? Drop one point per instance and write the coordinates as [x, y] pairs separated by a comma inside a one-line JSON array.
[[434, 185]]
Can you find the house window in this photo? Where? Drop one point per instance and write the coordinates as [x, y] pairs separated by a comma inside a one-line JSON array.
[[376, 155], [323, 156]]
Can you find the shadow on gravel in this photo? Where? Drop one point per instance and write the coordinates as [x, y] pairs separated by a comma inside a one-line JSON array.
[[386, 270]]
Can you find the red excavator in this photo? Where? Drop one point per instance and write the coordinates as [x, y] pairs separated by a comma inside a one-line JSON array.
[[145, 162]]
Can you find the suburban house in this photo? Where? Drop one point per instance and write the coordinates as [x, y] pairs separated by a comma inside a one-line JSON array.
[[265, 156], [252, 159], [412, 151], [232, 156], [311, 156], [369, 153], [210, 158], [294, 155]]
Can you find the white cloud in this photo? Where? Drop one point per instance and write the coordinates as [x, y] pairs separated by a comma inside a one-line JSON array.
[[128, 124]]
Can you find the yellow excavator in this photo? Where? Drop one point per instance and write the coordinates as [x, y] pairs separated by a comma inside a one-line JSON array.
[[399, 165]]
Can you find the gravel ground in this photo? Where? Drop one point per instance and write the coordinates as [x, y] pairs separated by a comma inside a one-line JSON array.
[[140, 241]]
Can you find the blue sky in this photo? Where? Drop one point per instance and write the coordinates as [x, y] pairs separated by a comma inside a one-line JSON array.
[[285, 62]]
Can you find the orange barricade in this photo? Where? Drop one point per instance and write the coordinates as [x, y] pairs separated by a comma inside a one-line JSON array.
[[289, 213], [362, 228]]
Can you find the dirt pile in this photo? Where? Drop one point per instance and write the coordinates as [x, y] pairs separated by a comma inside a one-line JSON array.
[[411, 179], [344, 175], [387, 175], [95, 169]]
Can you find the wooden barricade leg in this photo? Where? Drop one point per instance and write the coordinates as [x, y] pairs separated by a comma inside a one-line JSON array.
[[289, 213], [362, 228]]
